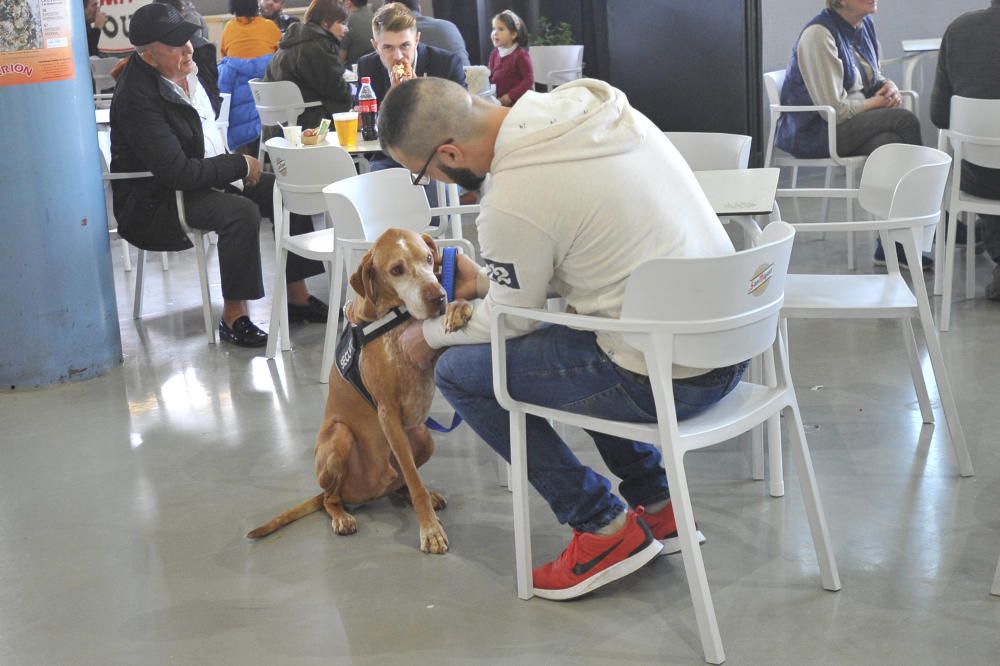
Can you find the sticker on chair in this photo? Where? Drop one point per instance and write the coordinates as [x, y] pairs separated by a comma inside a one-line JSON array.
[[281, 166], [761, 279]]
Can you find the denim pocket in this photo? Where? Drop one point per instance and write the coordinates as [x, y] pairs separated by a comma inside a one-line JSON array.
[[614, 403]]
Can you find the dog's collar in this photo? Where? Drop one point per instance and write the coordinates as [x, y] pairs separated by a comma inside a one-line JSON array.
[[371, 330]]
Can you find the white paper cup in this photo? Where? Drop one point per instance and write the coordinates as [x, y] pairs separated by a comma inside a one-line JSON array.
[[354, 68], [293, 134]]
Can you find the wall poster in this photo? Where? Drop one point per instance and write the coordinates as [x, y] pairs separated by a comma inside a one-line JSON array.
[[35, 44]]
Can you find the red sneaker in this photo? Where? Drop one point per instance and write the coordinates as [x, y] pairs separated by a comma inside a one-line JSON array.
[[664, 527], [593, 560]]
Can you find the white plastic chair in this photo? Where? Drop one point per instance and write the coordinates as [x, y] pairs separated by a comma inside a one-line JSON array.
[[715, 323], [362, 208], [222, 121], [300, 175], [773, 82], [975, 138], [902, 186], [710, 151], [100, 70], [555, 65], [278, 103]]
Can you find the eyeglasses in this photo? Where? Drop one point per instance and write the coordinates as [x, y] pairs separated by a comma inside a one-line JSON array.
[[421, 177]]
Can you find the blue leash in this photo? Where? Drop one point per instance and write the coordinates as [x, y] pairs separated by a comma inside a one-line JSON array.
[[449, 259]]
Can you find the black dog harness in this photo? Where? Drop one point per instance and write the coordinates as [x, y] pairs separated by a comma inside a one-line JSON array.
[[355, 337]]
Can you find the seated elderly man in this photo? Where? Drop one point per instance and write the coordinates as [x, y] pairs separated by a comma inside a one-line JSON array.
[[162, 121], [584, 189]]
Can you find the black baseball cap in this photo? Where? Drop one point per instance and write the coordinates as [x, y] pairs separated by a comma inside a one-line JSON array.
[[160, 23]]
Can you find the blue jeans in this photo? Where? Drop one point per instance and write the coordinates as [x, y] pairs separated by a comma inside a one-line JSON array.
[[564, 368]]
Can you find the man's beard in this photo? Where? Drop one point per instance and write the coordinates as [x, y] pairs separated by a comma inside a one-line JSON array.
[[463, 177]]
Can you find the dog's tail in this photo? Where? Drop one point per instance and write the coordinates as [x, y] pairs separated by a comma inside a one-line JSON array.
[[290, 516]]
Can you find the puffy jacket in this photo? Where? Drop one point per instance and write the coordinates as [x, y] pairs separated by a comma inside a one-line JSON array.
[[309, 57], [234, 78], [154, 129]]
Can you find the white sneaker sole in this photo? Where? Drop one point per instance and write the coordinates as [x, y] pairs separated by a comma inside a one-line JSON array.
[[672, 545], [609, 575]]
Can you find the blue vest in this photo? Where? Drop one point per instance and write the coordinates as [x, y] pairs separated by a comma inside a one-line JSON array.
[[805, 134]]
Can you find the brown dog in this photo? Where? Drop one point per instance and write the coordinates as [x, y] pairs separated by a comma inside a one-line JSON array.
[[364, 453]]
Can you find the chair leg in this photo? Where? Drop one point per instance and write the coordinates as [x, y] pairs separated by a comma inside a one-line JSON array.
[[937, 359], [164, 261], [206, 299], [949, 272], [827, 183], [522, 515], [694, 565], [996, 581], [776, 485], [336, 306], [939, 254], [757, 434], [852, 263], [504, 473], [774, 422], [970, 256], [140, 263], [278, 333], [916, 372], [947, 398], [126, 256], [810, 494]]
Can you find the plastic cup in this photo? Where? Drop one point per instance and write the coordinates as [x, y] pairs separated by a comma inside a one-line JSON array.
[[346, 126], [293, 134], [354, 68]]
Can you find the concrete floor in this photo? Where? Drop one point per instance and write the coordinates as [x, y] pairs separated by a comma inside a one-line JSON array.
[[124, 501]]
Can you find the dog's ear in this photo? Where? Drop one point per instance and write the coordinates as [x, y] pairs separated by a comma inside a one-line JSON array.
[[363, 282], [432, 246]]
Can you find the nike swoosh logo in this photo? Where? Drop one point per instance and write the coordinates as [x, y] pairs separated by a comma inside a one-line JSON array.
[[583, 567]]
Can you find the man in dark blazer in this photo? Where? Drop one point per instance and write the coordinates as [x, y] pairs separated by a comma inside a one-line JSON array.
[[400, 56]]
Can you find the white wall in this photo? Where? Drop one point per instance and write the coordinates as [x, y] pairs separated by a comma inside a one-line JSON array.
[[896, 20]]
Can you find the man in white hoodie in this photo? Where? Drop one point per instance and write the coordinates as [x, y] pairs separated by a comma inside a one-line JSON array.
[[583, 190]]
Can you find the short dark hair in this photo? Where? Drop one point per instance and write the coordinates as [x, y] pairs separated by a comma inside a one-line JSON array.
[[393, 116], [516, 25], [325, 13], [244, 8]]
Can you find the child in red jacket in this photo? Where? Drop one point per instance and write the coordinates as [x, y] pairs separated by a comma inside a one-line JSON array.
[[510, 64]]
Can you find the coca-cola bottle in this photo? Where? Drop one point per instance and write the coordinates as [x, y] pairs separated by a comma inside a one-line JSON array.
[[368, 110]]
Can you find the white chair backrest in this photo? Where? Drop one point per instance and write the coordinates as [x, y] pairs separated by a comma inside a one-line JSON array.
[[773, 83], [278, 102], [302, 172], [737, 297], [708, 151], [100, 69], [976, 118], [550, 63], [364, 206], [892, 175]]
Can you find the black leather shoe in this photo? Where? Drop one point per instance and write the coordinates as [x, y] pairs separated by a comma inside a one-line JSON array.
[[243, 333], [315, 311]]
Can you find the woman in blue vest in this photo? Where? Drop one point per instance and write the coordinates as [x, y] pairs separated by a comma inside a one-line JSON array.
[[835, 62]]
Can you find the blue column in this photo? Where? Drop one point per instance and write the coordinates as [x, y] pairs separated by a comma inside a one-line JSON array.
[[58, 316]]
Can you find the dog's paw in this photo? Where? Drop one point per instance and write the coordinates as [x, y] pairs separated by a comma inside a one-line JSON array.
[[457, 315], [344, 525], [437, 500], [434, 540]]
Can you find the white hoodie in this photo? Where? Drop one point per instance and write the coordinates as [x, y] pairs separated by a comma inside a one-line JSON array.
[[583, 190]]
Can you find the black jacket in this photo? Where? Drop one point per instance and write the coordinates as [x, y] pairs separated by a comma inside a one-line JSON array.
[[208, 71], [154, 129], [431, 61], [309, 57]]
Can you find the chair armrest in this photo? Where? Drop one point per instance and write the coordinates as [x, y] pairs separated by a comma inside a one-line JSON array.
[[310, 104], [825, 110], [566, 71], [127, 175], [893, 223]]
